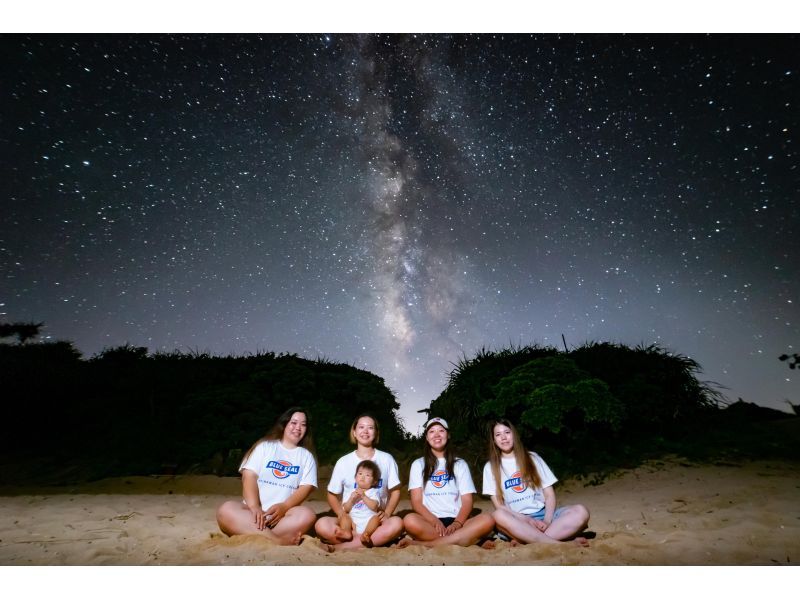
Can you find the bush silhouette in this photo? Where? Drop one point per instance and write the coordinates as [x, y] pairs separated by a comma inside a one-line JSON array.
[[125, 411], [657, 388], [601, 403], [542, 393], [472, 382]]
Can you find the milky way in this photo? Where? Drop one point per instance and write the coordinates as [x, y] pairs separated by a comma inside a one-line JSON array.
[[398, 202]]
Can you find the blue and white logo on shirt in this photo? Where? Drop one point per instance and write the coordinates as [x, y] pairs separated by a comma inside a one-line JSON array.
[[283, 469], [515, 483], [439, 478]]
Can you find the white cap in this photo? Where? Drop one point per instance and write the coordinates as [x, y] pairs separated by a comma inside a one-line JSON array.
[[436, 420]]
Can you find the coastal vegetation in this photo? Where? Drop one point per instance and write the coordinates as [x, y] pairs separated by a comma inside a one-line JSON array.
[[603, 406], [127, 411]]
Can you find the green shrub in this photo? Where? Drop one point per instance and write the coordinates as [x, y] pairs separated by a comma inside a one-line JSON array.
[[543, 392]]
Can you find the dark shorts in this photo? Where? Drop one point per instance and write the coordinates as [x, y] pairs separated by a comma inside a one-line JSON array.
[[447, 521]]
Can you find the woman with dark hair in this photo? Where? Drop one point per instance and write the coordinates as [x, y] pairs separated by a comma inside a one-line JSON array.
[[278, 473], [441, 492], [520, 485], [364, 433]]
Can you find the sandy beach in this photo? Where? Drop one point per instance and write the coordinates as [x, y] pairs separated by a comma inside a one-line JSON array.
[[670, 512]]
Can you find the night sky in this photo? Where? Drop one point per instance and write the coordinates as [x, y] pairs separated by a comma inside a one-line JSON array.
[[396, 202]]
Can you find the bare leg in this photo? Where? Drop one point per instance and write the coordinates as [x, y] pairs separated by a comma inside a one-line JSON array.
[[387, 531], [330, 530], [418, 528], [522, 529], [326, 530], [344, 528], [423, 533], [234, 518], [572, 521], [297, 521], [372, 525]]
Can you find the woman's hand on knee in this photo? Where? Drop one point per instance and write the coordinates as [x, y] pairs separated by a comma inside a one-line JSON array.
[[453, 527], [439, 528], [259, 517], [275, 513], [540, 525]]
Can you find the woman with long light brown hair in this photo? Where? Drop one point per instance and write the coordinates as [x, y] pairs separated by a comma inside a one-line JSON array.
[[520, 485]]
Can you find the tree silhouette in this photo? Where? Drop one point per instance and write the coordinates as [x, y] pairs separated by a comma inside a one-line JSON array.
[[24, 331]]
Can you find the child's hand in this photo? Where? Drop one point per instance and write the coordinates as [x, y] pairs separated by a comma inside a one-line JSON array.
[[352, 501]]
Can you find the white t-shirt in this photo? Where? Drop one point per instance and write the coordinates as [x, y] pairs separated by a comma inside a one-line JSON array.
[[361, 513], [280, 470], [441, 494], [517, 495], [343, 478]]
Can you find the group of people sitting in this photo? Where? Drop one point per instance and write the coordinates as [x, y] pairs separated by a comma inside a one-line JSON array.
[[279, 472]]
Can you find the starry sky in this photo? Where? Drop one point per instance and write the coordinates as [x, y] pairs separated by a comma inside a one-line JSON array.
[[399, 201]]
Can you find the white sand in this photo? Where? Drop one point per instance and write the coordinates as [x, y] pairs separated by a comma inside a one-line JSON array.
[[670, 513]]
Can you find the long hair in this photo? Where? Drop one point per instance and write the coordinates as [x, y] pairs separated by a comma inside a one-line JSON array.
[[527, 468], [276, 431], [431, 460], [374, 422]]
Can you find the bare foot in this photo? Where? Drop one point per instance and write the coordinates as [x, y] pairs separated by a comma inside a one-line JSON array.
[[488, 545], [294, 540], [342, 535], [581, 541], [366, 539], [514, 543], [404, 542]]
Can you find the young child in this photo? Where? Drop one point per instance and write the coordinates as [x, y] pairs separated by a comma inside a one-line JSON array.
[[361, 508]]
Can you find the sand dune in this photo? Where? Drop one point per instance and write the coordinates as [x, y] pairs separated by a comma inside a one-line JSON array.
[[663, 513]]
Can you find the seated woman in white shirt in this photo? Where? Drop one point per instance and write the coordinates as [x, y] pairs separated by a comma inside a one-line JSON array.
[[520, 485], [365, 434], [441, 492], [278, 473]]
